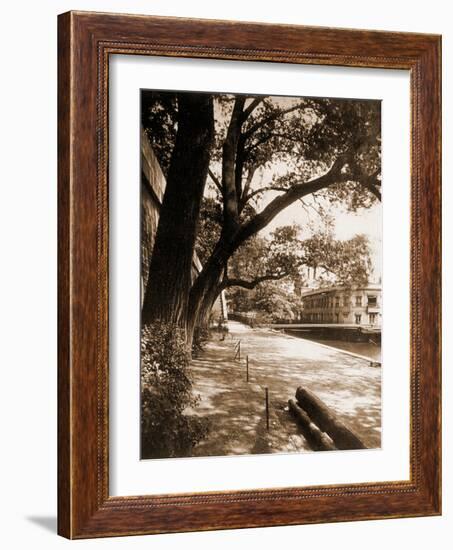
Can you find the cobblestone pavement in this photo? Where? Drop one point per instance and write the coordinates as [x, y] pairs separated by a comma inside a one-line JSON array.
[[236, 408]]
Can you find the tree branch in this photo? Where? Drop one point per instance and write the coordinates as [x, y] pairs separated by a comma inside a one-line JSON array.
[[263, 190], [271, 118], [372, 183], [326, 269], [229, 191], [250, 285], [333, 175], [239, 168], [253, 105], [267, 137], [244, 198], [250, 173], [215, 180]]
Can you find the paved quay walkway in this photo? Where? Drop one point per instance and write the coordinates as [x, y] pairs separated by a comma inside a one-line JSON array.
[[346, 384]]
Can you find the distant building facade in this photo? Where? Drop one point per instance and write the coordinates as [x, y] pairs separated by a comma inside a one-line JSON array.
[[354, 305]]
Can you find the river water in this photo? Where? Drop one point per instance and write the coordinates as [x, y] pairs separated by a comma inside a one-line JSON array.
[[370, 350]]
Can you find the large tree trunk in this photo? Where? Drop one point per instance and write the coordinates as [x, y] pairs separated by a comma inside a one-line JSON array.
[[207, 303], [203, 295], [204, 314], [170, 278]]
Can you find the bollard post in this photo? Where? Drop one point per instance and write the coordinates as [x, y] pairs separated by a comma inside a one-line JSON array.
[[266, 390], [237, 348]]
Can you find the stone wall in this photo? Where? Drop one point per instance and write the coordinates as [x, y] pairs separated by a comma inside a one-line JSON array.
[[152, 192]]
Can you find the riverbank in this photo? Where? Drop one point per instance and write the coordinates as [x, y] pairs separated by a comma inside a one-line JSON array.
[[236, 408], [369, 351]]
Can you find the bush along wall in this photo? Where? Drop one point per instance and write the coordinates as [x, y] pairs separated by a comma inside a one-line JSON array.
[[166, 392]]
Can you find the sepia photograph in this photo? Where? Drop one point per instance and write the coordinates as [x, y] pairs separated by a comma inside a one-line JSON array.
[[261, 274]]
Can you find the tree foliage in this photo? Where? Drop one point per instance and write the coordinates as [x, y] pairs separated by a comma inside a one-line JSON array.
[[209, 228], [159, 117], [166, 391], [267, 274], [292, 140], [265, 259], [343, 262], [267, 153]]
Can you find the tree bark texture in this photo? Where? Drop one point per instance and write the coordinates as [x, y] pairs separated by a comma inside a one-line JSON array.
[[170, 273]]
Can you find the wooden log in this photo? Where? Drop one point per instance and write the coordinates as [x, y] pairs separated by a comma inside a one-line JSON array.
[[326, 420], [317, 439]]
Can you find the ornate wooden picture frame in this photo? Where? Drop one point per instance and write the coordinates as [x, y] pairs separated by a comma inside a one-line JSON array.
[[85, 42]]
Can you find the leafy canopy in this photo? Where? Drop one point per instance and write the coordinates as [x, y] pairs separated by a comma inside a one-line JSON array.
[[283, 141]]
